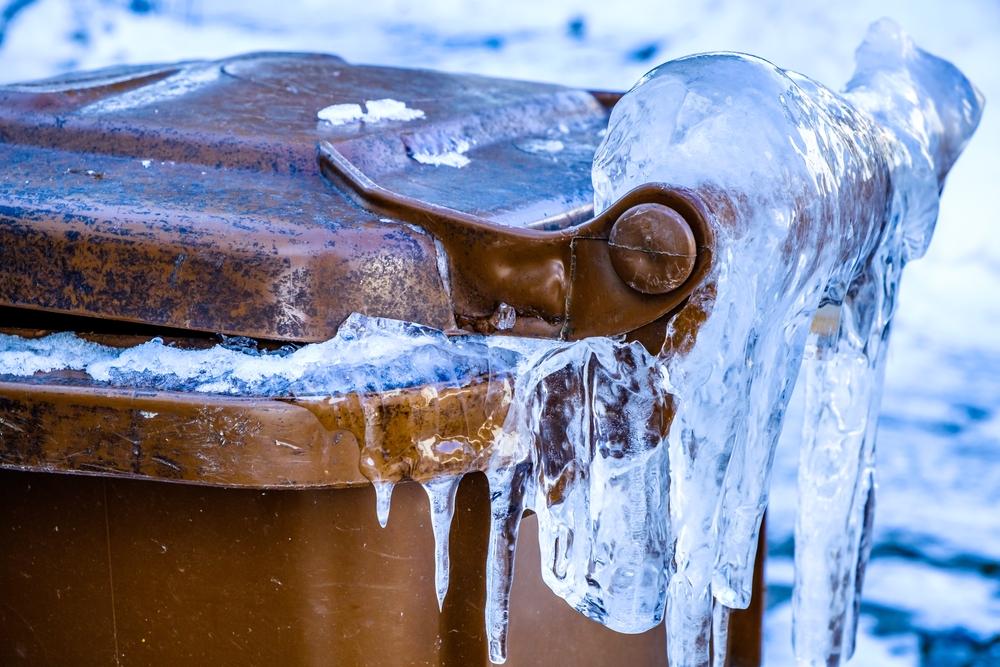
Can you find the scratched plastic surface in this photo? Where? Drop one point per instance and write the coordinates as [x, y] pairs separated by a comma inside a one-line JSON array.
[[649, 473]]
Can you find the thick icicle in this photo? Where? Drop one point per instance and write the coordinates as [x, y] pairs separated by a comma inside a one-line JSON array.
[[843, 372], [508, 487], [745, 488], [929, 110], [720, 635], [441, 494], [383, 500], [800, 206], [582, 448], [597, 413]]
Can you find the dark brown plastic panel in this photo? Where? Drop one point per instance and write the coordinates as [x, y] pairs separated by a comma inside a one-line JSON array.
[[104, 571], [192, 197]]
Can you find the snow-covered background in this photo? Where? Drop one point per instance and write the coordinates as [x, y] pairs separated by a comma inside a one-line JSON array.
[[933, 588]]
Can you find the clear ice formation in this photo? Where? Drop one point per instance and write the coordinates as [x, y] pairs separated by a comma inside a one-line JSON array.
[[582, 446], [817, 200], [649, 472], [441, 494]]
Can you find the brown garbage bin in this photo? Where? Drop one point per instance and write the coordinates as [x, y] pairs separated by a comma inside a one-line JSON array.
[[270, 196]]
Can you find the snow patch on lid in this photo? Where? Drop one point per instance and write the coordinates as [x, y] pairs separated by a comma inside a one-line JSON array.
[[389, 109], [339, 114], [453, 156], [377, 111]]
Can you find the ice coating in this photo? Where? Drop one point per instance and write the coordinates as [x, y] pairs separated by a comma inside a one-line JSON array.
[[816, 199], [366, 355], [649, 473], [781, 163], [22, 357], [183, 81], [931, 111], [582, 448]]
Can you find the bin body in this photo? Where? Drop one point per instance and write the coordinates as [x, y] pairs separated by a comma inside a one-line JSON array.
[[100, 571], [163, 527]]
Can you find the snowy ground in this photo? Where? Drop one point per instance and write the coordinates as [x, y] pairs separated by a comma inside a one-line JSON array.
[[933, 589]]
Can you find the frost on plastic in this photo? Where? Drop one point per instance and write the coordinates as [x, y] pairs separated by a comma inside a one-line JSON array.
[[649, 472]]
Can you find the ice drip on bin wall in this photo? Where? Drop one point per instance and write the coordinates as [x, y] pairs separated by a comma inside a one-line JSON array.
[[648, 469]]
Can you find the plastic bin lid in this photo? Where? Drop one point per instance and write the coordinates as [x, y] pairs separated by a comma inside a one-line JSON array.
[[271, 195]]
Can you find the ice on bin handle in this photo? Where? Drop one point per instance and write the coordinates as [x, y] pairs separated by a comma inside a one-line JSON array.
[[817, 198]]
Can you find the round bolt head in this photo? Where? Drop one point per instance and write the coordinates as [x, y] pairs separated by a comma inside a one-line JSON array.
[[652, 248]]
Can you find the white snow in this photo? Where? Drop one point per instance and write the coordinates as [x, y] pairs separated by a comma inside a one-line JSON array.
[[376, 111], [451, 158], [389, 109], [339, 114]]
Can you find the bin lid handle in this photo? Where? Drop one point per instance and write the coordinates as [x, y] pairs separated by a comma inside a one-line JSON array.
[[633, 264]]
